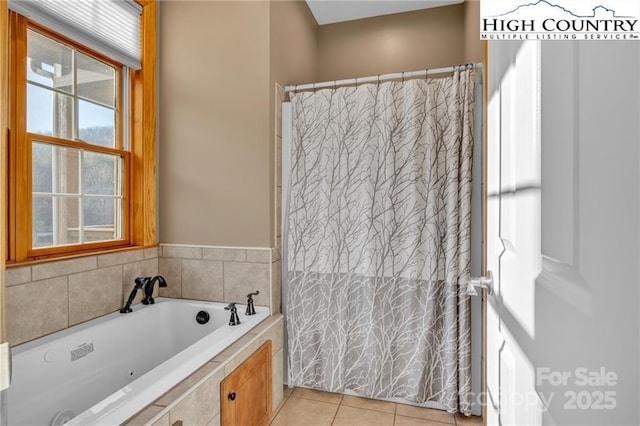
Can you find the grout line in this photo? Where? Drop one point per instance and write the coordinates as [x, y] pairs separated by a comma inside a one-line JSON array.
[[315, 400], [223, 281], [279, 409], [336, 414], [369, 409], [68, 303]]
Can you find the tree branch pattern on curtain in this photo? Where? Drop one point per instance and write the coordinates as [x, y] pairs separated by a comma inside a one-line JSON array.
[[379, 218]]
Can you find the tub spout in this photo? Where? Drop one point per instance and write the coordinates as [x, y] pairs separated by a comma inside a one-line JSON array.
[[139, 283], [148, 289]]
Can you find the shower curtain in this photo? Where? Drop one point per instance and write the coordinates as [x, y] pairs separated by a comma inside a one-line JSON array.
[[379, 219]]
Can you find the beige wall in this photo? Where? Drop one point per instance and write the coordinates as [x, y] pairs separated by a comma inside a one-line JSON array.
[[214, 149], [473, 46], [218, 65], [294, 41], [219, 62], [430, 38], [294, 53]]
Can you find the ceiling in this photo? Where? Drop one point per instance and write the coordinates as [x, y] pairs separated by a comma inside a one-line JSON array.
[[331, 11]]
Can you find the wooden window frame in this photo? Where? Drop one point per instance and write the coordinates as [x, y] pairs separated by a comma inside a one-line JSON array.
[[139, 192]]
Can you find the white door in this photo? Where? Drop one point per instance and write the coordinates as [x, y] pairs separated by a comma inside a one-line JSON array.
[[563, 234]]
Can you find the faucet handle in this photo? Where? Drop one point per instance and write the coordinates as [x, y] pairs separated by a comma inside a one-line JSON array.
[[250, 309], [140, 281], [234, 320]]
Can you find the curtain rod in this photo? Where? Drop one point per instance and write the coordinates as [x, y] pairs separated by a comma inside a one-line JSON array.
[[378, 78]]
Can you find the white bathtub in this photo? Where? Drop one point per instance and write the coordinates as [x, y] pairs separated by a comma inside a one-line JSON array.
[[106, 370]]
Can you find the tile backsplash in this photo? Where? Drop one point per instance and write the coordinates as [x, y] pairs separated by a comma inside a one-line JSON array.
[[224, 274], [47, 297]]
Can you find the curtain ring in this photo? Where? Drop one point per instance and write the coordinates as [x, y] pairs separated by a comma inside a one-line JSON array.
[[314, 88], [426, 74], [335, 87], [378, 79], [403, 76], [356, 82]]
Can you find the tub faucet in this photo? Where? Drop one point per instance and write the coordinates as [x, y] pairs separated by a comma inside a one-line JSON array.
[[139, 283], [148, 289], [234, 320], [250, 309]]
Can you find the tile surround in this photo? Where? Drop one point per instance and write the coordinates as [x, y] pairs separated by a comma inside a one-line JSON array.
[[171, 270], [36, 309], [202, 279], [91, 286], [279, 97], [180, 251], [59, 268], [85, 292], [241, 279], [228, 254], [94, 293], [196, 400], [221, 274], [67, 292], [110, 259], [19, 275]]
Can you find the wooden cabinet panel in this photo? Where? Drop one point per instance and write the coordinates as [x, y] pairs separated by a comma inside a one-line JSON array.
[[245, 395]]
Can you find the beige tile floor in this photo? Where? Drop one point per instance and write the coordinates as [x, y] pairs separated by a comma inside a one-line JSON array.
[[305, 407]]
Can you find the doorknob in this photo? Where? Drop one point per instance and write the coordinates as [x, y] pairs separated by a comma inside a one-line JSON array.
[[232, 396], [482, 282]]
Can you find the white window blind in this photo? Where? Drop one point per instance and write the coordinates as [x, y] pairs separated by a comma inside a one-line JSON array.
[[111, 27]]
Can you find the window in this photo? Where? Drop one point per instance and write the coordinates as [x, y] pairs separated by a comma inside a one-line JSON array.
[[78, 164], [82, 150]]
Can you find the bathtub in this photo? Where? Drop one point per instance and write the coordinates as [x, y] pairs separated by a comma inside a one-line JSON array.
[[104, 371]]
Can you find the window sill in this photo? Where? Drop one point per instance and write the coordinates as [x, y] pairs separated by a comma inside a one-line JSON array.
[[88, 253]]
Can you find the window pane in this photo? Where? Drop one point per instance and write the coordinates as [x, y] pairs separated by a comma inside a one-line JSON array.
[[55, 221], [100, 222], [42, 221], [49, 113], [96, 80], [41, 168], [67, 221], [101, 174], [49, 62], [96, 124], [55, 169]]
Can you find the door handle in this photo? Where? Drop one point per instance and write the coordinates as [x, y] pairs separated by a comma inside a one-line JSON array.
[[482, 282], [232, 396]]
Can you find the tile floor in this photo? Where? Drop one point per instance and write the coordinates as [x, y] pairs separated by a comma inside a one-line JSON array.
[[305, 407]]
